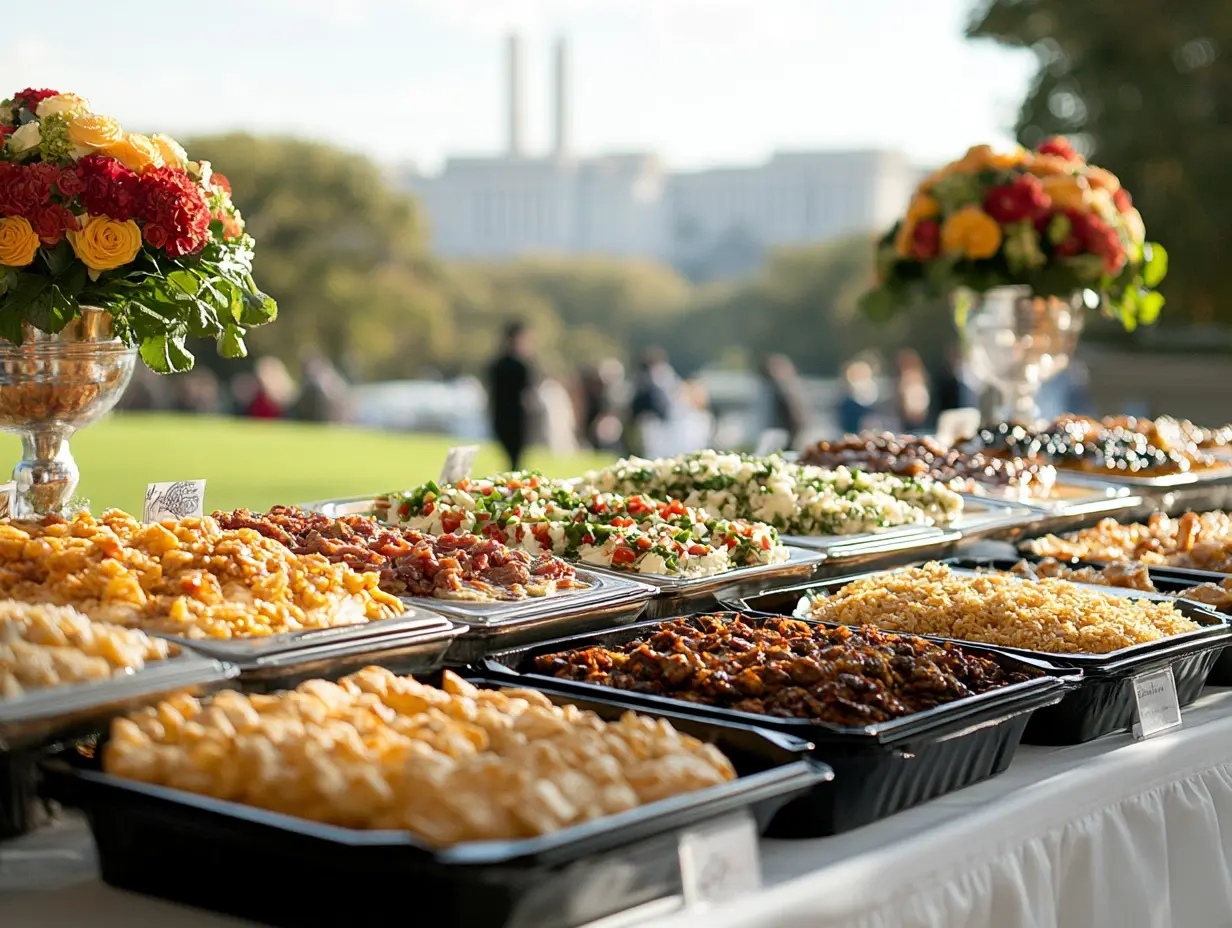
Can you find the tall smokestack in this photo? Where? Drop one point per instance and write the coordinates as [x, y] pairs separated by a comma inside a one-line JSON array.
[[560, 102], [514, 89]]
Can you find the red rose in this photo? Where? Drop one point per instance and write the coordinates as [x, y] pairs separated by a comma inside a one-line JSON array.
[[1102, 240], [176, 205], [220, 180], [1022, 198], [1124, 202], [109, 188], [30, 98], [926, 240], [25, 189], [70, 182], [52, 222], [154, 235], [1059, 145], [5, 132]]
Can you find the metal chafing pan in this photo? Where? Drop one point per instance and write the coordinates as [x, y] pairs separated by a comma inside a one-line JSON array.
[[55, 715], [255, 653], [671, 593], [52, 713]]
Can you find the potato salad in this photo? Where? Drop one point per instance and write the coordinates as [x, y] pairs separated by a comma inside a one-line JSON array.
[[598, 528], [796, 499]]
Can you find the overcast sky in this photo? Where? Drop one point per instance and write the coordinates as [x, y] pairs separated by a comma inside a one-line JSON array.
[[697, 81]]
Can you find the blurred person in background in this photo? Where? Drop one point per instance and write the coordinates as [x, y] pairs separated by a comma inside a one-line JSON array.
[[693, 427], [949, 393], [323, 397], [656, 391], [911, 394], [557, 418], [780, 403], [601, 426], [859, 395], [200, 392], [274, 390], [146, 392], [509, 388]]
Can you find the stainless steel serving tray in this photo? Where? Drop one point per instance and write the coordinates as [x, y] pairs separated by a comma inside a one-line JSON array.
[[603, 589], [54, 713], [278, 650]]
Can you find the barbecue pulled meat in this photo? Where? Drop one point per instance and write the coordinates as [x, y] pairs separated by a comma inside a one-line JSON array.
[[786, 668], [410, 563]]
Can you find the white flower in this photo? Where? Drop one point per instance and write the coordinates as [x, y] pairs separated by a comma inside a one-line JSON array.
[[25, 138], [61, 105]]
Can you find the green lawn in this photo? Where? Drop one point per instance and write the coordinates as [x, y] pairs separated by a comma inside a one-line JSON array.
[[260, 464]]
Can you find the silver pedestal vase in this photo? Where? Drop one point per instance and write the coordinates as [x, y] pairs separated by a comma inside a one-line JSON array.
[[1015, 341], [51, 386]]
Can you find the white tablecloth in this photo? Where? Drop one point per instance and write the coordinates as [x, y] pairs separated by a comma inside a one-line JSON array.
[[1111, 833]]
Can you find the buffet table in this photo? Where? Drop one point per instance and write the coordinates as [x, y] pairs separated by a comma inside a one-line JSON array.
[[1107, 833]]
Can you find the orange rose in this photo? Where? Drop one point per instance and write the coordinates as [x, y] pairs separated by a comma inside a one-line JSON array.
[[1102, 179], [971, 232], [1046, 165], [135, 152], [18, 242], [1068, 191]]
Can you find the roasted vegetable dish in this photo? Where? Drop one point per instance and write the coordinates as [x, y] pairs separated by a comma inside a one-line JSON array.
[[785, 668]]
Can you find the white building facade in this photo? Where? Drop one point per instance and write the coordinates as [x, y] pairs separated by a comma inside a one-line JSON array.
[[629, 205]]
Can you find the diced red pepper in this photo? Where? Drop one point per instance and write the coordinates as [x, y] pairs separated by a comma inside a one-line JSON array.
[[696, 550], [624, 556]]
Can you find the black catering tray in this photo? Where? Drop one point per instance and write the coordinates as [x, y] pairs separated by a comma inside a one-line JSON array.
[[159, 841], [1172, 581], [1103, 702], [879, 769]]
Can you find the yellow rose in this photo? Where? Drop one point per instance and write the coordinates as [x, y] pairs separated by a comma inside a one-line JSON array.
[[18, 242], [1047, 165], [1102, 179], [135, 152], [1135, 226], [1068, 191], [64, 104], [904, 238], [1006, 160], [105, 244], [87, 130], [172, 152], [923, 206], [971, 232]]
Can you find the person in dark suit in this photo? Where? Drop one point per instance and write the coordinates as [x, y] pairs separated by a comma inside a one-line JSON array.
[[509, 383]]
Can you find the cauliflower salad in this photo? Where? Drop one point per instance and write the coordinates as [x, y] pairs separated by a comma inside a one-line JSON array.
[[796, 499]]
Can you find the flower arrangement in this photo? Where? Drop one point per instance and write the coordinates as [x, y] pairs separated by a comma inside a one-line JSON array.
[[94, 216], [1042, 218]]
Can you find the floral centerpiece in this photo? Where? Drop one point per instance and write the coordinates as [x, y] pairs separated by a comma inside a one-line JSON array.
[[1045, 220], [95, 217]]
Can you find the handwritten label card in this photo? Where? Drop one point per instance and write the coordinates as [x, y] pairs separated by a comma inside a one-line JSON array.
[[177, 500], [458, 463], [719, 861], [954, 425], [771, 440], [8, 499], [1157, 707]]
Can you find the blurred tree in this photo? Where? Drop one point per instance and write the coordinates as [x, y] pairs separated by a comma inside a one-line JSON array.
[[344, 254], [803, 304], [1144, 88]]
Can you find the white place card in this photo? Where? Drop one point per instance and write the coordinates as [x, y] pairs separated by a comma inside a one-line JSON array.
[[458, 463], [8, 499], [1157, 708], [771, 440], [177, 500], [720, 860], [954, 425]]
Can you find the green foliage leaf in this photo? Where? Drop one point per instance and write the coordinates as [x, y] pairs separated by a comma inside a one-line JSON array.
[[1150, 306], [153, 352], [232, 343], [1156, 266]]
